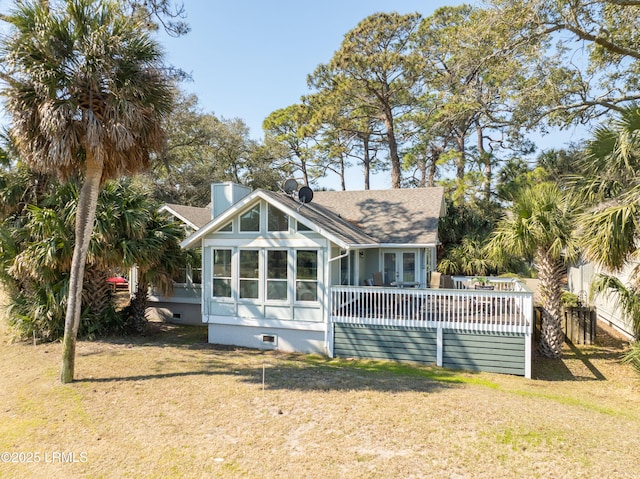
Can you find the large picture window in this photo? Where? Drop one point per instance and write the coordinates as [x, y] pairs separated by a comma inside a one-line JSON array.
[[277, 276], [277, 220], [249, 273], [306, 275], [250, 221], [222, 273]]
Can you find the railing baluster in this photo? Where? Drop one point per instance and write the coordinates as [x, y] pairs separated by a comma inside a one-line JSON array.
[[505, 309]]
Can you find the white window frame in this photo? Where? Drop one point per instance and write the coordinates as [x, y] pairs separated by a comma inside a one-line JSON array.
[[214, 277], [286, 281], [259, 278], [269, 208], [316, 280], [259, 207]]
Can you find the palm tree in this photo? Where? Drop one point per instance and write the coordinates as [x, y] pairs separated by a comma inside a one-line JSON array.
[[36, 253], [610, 229], [539, 228], [87, 93], [158, 258], [466, 258]]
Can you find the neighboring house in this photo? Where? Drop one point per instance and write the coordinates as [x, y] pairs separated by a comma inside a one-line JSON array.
[[270, 261], [193, 217], [607, 308]]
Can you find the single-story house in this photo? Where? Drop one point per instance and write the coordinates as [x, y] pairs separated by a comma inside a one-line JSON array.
[[269, 261], [348, 273]]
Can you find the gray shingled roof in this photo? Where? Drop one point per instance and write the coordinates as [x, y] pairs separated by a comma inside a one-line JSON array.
[[399, 216], [196, 216], [326, 220]]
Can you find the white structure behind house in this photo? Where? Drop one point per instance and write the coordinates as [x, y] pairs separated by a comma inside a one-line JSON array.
[[608, 310]]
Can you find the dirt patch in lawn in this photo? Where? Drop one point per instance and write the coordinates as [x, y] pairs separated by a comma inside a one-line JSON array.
[[170, 405]]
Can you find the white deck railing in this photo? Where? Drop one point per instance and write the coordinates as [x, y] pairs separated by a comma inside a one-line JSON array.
[[506, 309]]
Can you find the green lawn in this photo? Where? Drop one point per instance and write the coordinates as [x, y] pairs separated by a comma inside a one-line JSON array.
[[169, 405]]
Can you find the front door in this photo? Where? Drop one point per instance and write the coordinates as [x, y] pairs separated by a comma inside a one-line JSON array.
[[399, 267]]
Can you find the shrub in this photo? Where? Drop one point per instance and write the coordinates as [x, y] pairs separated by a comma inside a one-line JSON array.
[[570, 300]]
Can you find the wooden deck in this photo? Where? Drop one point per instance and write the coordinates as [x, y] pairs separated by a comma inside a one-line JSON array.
[[484, 330]]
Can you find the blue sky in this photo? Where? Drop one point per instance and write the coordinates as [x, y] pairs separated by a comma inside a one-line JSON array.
[[251, 57], [248, 58]]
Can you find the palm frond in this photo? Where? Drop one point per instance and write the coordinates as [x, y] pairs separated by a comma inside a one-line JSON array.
[[84, 77], [609, 234], [627, 299]]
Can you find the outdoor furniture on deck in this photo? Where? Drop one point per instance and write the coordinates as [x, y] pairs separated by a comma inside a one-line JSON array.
[[447, 281], [405, 284]]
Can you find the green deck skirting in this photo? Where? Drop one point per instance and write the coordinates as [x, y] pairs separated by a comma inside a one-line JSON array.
[[500, 353], [484, 352], [374, 342]]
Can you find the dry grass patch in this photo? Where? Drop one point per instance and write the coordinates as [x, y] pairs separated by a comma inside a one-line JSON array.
[[170, 405]]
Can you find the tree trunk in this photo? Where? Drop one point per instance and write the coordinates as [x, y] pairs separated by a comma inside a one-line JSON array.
[[393, 148], [366, 162], [85, 216], [305, 175], [433, 168], [138, 306], [461, 158], [485, 159], [97, 292], [458, 195], [343, 183], [550, 273], [423, 173]]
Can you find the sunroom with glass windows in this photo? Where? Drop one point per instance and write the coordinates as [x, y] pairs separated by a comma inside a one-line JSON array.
[[269, 262]]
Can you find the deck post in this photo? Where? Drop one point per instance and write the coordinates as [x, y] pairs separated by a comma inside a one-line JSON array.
[[527, 307], [329, 340], [527, 356], [439, 345]]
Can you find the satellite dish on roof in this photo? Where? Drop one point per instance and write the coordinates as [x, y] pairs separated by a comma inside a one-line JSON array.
[[290, 186], [305, 194]]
